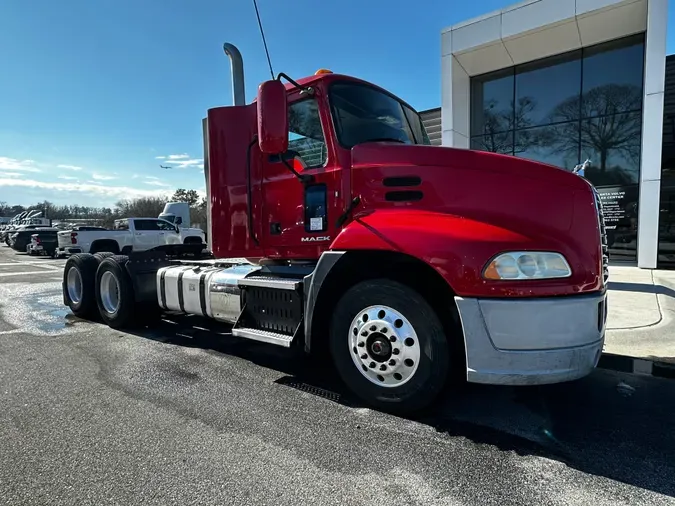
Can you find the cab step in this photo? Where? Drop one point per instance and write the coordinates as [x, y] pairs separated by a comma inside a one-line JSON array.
[[264, 336], [272, 283], [272, 310]]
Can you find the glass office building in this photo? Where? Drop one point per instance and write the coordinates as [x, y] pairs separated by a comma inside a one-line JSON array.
[[585, 104], [561, 82]]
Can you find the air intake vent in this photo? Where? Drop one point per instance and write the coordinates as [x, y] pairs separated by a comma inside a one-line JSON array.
[[402, 181], [404, 196]]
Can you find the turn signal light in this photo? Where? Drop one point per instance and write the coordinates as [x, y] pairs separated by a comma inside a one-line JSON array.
[[322, 71]]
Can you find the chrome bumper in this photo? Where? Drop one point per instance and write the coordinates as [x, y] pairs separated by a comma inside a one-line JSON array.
[[532, 341]]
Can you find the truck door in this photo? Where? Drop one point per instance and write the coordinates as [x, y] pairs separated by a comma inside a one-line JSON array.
[[147, 234], [299, 219]]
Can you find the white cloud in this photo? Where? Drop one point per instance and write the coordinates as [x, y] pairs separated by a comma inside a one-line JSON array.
[[69, 178], [111, 192], [14, 164], [182, 161], [69, 167], [152, 177], [102, 177], [156, 183], [188, 164], [11, 174]]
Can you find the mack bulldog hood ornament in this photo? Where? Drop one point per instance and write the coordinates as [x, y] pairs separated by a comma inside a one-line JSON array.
[[581, 168]]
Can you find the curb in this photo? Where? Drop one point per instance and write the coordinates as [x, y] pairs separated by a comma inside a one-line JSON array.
[[642, 366]]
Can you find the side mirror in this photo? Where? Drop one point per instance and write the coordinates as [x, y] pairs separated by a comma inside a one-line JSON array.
[[272, 118]]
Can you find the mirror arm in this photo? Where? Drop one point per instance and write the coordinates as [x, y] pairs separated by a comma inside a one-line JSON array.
[[303, 178], [305, 89]]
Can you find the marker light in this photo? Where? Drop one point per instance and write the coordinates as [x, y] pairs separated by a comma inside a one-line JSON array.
[[518, 265], [322, 71]]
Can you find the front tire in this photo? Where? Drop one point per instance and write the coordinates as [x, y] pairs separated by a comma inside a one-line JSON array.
[[389, 346]]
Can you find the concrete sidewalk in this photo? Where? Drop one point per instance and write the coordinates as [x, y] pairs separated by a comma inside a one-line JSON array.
[[641, 319]]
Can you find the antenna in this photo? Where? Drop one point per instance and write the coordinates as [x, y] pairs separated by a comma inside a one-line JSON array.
[[262, 33]]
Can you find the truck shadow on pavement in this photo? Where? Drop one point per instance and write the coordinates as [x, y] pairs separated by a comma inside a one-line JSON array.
[[610, 424], [621, 286]]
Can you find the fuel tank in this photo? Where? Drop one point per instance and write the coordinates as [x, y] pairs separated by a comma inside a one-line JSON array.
[[205, 291]]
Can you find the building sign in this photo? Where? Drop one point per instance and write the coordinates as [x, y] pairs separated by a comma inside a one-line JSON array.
[[620, 207]]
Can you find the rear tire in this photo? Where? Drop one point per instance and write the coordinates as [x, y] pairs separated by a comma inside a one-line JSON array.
[[389, 346], [79, 276], [102, 255], [115, 293]]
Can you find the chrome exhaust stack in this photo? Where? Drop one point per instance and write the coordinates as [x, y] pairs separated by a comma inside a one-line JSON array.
[[238, 98], [237, 64]]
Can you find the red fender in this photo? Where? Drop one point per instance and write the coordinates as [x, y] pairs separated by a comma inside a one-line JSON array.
[[457, 248]]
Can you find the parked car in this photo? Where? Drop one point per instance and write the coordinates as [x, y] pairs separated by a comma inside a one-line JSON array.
[[137, 234], [44, 242], [20, 238]]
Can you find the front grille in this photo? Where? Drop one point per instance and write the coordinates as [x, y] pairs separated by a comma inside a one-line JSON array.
[[603, 235]]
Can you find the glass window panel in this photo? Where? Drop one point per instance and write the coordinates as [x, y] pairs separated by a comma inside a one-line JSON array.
[[305, 134], [497, 143], [554, 144], [668, 164], [492, 103], [612, 143], [667, 226], [548, 91], [612, 78]]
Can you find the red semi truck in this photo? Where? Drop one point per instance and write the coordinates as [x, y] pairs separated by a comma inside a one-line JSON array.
[[406, 262]]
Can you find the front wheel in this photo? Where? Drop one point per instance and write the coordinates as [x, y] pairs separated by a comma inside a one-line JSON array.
[[389, 346]]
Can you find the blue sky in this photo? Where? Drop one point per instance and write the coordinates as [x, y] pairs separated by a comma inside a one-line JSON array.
[[93, 91]]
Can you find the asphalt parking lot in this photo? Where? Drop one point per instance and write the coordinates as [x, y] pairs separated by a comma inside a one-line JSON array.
[[180, 415]]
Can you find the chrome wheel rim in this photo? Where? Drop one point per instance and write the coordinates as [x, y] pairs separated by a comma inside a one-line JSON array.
[[384, 346], [109, 292], [74, 285]]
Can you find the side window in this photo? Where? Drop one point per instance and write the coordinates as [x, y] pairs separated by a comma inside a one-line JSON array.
[[305, 135], [165, 226], [146, 225], [122, 225]]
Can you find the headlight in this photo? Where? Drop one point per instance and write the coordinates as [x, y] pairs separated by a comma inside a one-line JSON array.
[[527, 265]]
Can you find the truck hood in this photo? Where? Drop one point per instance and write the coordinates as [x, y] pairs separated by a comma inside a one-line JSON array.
[[549, 205], [389, 154]]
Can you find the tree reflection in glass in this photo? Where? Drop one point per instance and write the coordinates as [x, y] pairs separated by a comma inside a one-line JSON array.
[[608, 134]]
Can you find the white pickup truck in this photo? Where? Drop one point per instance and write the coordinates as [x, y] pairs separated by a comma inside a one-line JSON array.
[[137, 234]]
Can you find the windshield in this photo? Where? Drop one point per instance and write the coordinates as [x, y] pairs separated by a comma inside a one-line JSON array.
[[167, 217], [365, 114]]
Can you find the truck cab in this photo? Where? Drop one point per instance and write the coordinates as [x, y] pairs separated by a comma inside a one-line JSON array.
[[410, 264]]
